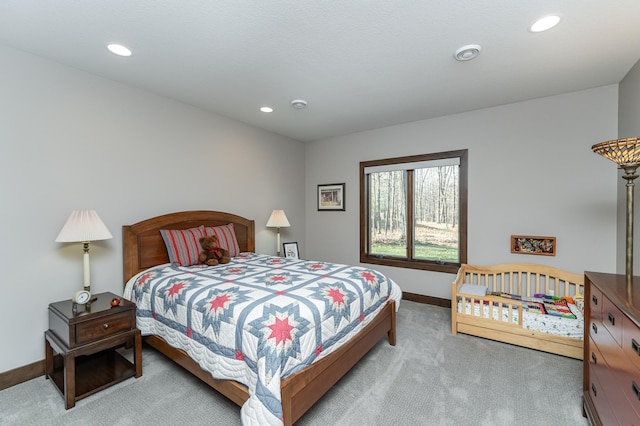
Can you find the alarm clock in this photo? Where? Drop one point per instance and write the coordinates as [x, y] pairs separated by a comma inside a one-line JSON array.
[[81, 297]]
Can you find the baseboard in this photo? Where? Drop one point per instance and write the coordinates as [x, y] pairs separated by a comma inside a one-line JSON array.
[[429, 300], [21, 374]]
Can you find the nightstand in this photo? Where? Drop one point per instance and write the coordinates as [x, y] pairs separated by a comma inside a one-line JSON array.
[[80, 348]]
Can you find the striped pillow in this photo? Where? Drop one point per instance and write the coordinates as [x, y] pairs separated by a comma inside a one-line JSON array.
[[183, 245], [226, 235]]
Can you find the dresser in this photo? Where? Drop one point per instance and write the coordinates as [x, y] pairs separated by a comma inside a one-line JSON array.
[[611, 386]]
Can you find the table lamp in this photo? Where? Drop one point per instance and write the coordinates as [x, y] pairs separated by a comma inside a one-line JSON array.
[[84, 226], [278, 220]]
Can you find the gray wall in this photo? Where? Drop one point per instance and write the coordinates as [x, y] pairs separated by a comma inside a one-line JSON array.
[[628, 127], [531, 172], [71, 140]]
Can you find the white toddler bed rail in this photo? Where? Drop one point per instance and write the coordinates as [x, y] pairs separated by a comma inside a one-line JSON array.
[[522, 279]]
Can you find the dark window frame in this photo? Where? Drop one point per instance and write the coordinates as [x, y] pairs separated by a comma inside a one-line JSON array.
[[410, 262]]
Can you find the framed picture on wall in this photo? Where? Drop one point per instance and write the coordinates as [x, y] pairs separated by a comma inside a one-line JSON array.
[[331, 197], [291, 250], [526, 244]]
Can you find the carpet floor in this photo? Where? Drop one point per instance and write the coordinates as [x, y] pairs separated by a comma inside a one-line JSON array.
[[428, 378]]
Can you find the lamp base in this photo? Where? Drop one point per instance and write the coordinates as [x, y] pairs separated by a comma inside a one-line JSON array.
[[630, 175]]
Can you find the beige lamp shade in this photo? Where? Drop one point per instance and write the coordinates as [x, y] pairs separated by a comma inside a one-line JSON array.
[[81, 226], [84, 226], [278, 220]]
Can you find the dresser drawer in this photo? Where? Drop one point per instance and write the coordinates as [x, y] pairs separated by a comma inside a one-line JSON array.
[[630, 384], [608, 387], [631, 341], [612, 319], [596, 360], [624, 414], [595, 304], [615, 375], [630, 381], [599, 334], [98, 328], [599, 399]]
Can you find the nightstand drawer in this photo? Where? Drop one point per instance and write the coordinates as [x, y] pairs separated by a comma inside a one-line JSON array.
[[98, 328]]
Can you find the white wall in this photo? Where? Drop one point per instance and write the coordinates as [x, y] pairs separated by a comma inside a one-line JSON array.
[[531, 172], [71, 140], [628, 127]]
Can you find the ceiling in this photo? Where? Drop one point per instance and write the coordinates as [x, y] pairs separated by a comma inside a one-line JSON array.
[[360, 64]]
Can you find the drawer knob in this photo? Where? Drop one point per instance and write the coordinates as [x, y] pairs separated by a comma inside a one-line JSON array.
[[105, 326], [593, 388], [612, 319], [594, 328], [635, 388], [635, 346], [594, 358], [594, 299]]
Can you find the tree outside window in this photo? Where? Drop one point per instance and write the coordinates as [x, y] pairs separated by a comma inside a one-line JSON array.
[[414, 211]]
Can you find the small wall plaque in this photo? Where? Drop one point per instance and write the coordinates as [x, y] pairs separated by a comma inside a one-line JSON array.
[[526, 244]]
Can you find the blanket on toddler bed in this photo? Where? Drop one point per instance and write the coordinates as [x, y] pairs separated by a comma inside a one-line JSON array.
[[552, 324], [540, 304]]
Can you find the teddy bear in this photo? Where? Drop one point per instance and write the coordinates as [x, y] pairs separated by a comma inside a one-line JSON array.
[[211, 253]]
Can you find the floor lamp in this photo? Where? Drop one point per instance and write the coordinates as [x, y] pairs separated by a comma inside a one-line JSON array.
[[625, 153], [278, 220], [84, 226]]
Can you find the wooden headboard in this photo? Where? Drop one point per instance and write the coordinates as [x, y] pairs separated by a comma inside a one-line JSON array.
[[143, 246]]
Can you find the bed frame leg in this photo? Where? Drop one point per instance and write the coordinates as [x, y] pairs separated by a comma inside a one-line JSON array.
[[391, 334]]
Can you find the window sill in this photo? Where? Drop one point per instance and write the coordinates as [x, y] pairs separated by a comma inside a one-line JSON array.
[[451, 268]]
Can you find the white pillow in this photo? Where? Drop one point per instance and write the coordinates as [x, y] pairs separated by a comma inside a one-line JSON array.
[[473, 289]]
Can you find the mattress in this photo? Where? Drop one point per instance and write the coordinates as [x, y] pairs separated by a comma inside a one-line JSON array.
[[259, 318]]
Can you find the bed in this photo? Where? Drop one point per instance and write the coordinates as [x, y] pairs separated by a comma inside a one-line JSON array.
[[530, 305], [251, 386]]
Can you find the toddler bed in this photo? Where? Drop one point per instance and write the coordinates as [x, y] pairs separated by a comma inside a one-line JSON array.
[[529, 305]]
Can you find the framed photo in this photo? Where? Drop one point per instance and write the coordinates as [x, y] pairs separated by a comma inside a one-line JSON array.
[[291, 250], [331, 197], [526, 244]]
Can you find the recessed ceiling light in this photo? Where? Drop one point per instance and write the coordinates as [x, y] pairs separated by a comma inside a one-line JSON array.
[[119, 49], [298, 103], [468, 52], [266, 109], [544, 24]]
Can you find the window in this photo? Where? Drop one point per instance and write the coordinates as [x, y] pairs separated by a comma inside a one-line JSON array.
[[413, 211]]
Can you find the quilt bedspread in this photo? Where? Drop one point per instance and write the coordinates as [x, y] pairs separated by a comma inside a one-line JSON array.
[[259, 318]]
